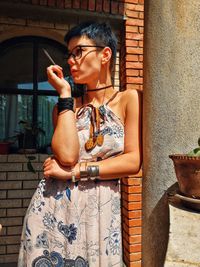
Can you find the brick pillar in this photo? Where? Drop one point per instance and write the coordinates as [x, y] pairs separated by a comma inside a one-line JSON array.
[[132, 78]]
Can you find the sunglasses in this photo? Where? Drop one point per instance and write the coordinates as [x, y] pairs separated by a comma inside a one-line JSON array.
[[77, 51]]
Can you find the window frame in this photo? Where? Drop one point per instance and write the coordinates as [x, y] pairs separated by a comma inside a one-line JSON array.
[[35, 92]]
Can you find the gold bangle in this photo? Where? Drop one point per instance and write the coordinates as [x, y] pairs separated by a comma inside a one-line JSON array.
[[73, 175], [83, 171]]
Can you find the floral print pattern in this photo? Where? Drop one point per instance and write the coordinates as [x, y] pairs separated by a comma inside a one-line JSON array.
[[77, 225]]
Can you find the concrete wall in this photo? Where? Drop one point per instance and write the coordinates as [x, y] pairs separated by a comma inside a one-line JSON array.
[[171, 109]]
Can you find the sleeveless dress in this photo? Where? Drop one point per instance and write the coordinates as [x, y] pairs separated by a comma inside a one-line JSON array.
[[77, 224]]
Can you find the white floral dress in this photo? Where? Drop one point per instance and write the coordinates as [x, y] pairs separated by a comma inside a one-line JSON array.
[[77, 225]]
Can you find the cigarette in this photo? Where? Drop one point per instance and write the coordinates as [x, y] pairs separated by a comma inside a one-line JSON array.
[[49, 57]]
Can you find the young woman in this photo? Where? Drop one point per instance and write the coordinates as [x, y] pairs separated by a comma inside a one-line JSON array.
[[74, 218]]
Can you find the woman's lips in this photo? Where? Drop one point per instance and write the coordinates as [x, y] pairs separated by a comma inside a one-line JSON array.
[[73, 72]]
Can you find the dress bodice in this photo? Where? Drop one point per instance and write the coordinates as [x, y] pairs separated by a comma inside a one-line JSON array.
[[111, 128]]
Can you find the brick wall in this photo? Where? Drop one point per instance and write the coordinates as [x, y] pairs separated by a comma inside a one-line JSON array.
[[131, 66], [13, 172], [17, 186]]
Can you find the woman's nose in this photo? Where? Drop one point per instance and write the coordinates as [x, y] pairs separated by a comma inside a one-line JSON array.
[[71, 60]]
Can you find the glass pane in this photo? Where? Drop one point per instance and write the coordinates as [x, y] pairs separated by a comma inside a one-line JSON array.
[[45, 109], [43, 62], [14, 108], [16, 66]]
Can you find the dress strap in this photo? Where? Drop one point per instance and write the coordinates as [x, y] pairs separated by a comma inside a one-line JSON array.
[[112, 97]]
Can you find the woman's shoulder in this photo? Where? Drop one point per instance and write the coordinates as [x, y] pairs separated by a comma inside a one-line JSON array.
[[129, 95]]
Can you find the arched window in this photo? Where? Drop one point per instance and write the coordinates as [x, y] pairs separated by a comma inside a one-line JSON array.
[[25, 93]]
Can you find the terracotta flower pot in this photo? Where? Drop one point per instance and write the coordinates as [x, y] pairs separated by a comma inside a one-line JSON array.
[[187, 170], [4, 148]]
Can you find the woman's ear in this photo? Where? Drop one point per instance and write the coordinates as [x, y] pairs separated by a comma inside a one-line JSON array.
[[106, 55]]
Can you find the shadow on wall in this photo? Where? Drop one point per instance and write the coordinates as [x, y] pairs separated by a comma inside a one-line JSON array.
[[156, 234]]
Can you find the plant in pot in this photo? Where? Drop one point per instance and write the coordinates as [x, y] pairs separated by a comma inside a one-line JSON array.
[[27, 140], [187, 169], [27, 136]]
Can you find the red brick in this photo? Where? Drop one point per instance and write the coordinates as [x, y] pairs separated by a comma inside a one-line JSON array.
[[134, 22], [132, 14], [121, 8], [141, 73], [60, 3], [141, 30], [43, 2], [132, 72], [141, 15], [137, 80], [131, 1], [133, 189], [134, 214], [134, 65], [137, 7], [133, 222], [132, 239], [132, 197], [132, 181], [114, 7], [99, 5], [132, 58], [132, 205], [141, 43], [132, 29], [141, 1], [91, 5], [132, 43], [135, 256], [106, 6], [35, 2], [141, 58], [134, 36], [76, 3], [68, 3], [135, 264], [133, 50]]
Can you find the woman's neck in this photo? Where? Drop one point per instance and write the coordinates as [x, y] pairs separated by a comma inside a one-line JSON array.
[[99, 97]]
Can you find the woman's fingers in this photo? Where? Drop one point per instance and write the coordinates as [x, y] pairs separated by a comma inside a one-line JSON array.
[[54, 72]]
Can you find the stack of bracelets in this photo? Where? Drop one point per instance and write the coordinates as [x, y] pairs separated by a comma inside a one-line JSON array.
[[65, 104], [86, 172]]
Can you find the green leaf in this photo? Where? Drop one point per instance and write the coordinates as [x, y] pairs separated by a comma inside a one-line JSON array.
[[195, 152]]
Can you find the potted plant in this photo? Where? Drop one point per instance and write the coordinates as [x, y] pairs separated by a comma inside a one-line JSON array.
[[27, 136], [187, 169]]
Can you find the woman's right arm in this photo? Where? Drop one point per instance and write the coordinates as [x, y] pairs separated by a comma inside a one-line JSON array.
[[65, 142]]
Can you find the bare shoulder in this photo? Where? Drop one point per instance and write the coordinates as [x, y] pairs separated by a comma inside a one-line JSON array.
[[129, 97]]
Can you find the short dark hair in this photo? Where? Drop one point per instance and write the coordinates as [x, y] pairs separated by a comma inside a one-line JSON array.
[[100, 33]]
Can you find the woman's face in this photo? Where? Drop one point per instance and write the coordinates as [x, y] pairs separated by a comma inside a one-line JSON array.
[[84, 60]]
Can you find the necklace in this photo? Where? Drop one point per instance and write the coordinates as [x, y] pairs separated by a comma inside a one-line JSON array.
[[100, 88], [96, 138]]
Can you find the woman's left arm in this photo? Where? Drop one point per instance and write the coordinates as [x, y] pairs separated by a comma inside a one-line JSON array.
[[130, 161], [119, 166]]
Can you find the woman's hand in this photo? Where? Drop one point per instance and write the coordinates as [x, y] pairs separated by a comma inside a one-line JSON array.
[[52, 168], [56, 79]]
